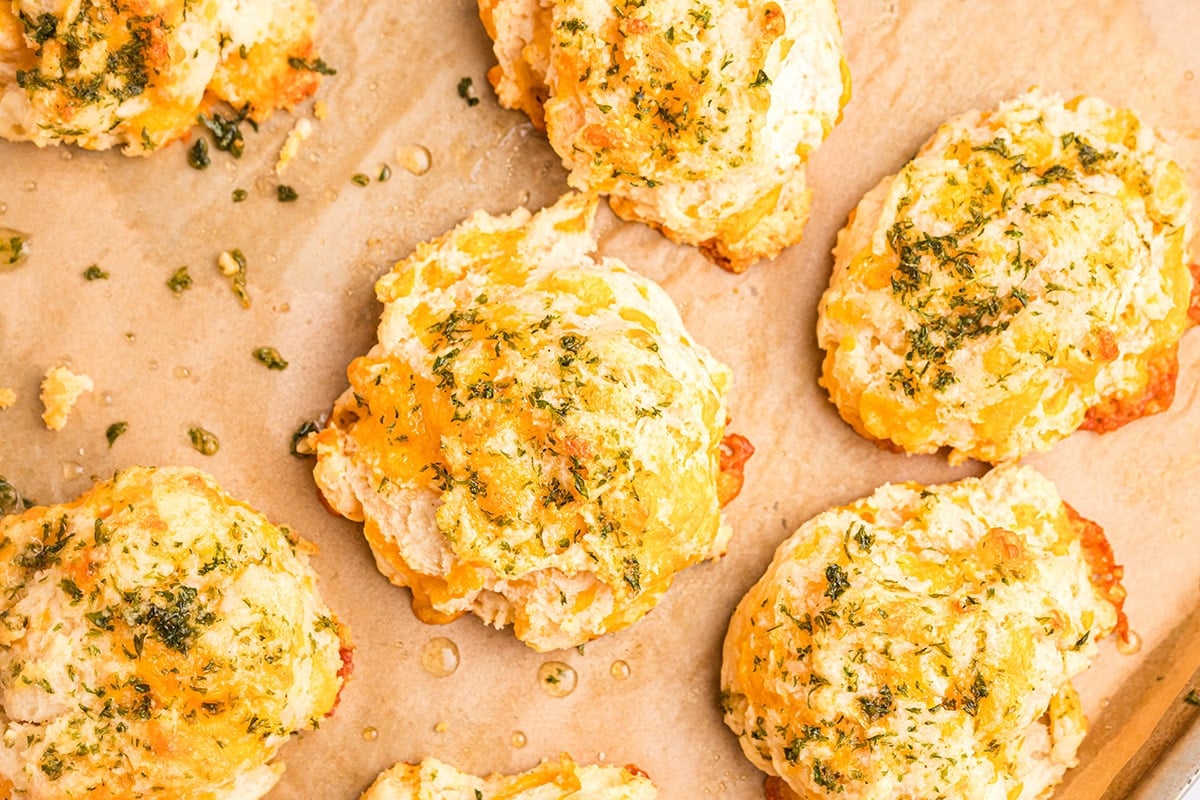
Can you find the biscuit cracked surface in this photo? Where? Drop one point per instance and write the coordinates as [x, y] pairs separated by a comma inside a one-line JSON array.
[[159, 640], [1023, 276], [920, 643], [535, 438], [563, 779], [137, 73], [697, 118]]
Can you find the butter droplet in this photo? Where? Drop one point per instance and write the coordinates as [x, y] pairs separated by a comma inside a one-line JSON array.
[[414, 158], [370, 734], [557, 679], [519, 739], [439, 657], [619, 670]]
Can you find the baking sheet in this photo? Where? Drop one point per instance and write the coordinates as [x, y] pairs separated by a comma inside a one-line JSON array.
[[165, 363]]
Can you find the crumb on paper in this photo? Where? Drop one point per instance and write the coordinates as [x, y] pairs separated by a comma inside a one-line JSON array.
[[320, 109], [296, 136], [61, 390], [7, 398]]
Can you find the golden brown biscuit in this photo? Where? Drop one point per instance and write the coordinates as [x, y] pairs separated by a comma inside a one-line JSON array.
[[1022, 277], [137, 73], [158, 640], [535, 438], [921, 642], [697, 118], [551, 780]]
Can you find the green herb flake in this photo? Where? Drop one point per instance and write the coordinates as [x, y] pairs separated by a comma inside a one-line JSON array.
[[836, 582], [361, 179], [51, 763], [203, 441], [761, 79], [286, 194], [240, 195], [1192, 698], [227, 133], [316, 65], [114, 431], [10, 498], [825, 776], [197, 155], [13, 248], [180, 281], [879, 705], [466, 90], [385, 174], [270, 357], [94, 273], [71, 589], [301, 448]]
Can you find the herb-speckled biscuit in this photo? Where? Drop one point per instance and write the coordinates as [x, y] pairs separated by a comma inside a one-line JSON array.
[[920, 643], [535, 438], [1023, 276], [695, 117], [136, 73], [158, 639], [563, 779]]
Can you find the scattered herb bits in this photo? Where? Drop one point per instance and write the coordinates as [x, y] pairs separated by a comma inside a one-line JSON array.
[[301, 447], [361, 179], [317, 65], [385, 174], [114, 431], [197, 156], [94, 273], [239, 195], [180, 281], [466, 90], [285, 193], [203, 441], [270, 357], [1192, 698], [227, 133]]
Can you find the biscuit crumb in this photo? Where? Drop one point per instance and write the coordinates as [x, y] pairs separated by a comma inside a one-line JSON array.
[[7, 398], [299, 132], [61, 390], [320, 109]]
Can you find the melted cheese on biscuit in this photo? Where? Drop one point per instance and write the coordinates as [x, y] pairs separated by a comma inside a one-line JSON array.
[[157, 640], [535, 438], [136, 73], [1022, 276], [919, 644], [551, 780], [695, 117]]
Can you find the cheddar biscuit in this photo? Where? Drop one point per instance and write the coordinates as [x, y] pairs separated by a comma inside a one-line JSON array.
[[535, 438], [1022, 277], [697, 118], [158, 640], [921, 643], [136, 73], [563, 779]]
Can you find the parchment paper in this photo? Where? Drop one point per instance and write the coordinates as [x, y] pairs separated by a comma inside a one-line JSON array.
[[165, 363]]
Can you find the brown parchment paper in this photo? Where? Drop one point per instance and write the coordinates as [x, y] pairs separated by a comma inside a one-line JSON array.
[[165, 363]]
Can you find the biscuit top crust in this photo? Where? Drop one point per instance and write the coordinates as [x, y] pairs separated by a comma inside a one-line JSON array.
[[157, 640], [551, 401], [695, 117], [563, 779], [137, 73], [1027, 265], [919, 643]]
